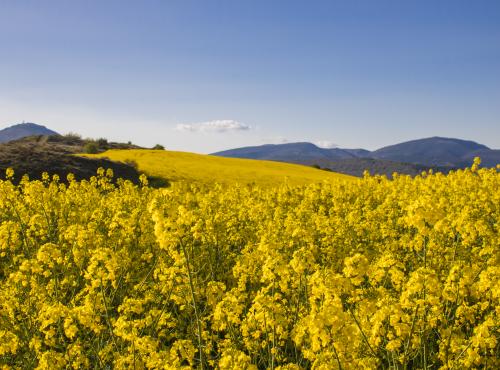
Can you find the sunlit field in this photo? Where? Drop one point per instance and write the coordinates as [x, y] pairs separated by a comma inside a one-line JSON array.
[[206, 169], [373, 273]]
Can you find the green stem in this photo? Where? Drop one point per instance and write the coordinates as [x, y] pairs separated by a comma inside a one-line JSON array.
[[107, 317], [336, 356], [191, 287], [363, 334]]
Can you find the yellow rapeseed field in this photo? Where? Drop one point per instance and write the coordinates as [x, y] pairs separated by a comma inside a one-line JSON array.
[[368, 274], [207, 169]]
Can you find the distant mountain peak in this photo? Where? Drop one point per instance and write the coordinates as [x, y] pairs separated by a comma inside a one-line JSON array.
[[298, 152], [20, 130], [433, 151], [27, 125], [442, 139]]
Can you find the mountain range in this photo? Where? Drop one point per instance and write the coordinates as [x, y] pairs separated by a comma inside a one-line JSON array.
[[411, 157]]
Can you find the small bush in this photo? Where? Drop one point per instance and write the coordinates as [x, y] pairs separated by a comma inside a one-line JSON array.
[[73, 135], [102, 142], [158, 147], [91, 148]]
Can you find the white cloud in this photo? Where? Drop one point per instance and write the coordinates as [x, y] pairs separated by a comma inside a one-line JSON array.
[[274, 140], [326, 144], [222, 125], [282, 140], [185, 127]]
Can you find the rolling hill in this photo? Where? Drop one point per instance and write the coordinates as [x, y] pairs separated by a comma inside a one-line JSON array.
[[61, 155], [31, 148], [190, 167], [21, 130]]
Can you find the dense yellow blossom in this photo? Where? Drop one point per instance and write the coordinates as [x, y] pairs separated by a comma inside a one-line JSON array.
[[376, 273]]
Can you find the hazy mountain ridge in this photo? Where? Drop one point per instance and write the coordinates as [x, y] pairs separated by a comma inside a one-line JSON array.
[[289, 152], [411, 157]]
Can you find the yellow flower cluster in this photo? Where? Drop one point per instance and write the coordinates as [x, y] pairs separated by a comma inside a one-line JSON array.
[[401, 274]]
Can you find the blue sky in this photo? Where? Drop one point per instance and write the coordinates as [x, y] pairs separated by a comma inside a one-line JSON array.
[[208, 75]]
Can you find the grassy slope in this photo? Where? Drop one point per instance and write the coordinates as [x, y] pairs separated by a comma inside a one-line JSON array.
[[182, 166]]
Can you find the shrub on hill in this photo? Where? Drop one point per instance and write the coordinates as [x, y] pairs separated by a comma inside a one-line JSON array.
[[102, 142], [73, 135], [91, 147]]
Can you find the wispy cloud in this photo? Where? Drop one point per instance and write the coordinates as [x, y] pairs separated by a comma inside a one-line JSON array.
[[326, 144], [222, 125]]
